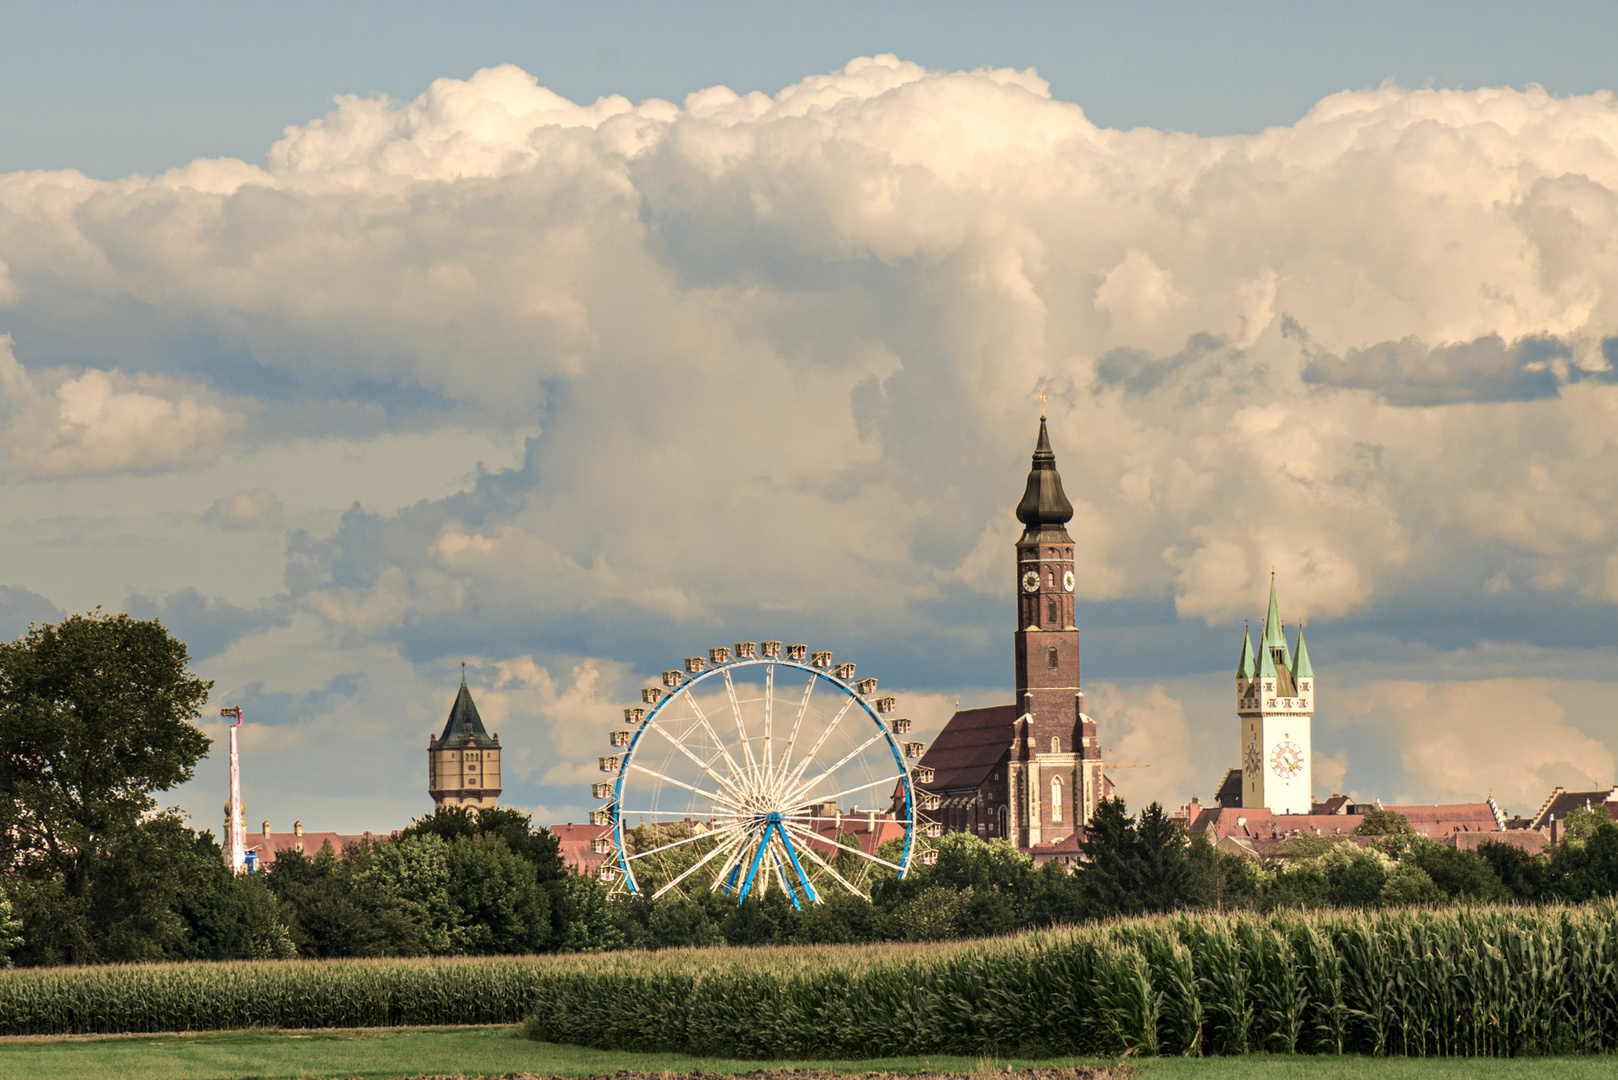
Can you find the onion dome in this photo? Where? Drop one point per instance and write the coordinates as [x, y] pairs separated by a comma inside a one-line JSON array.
[[1043, 503]]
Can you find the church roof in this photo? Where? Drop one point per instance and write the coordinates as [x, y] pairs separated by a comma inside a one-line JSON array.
[[465, 726], [1043, 502], [970, 746]]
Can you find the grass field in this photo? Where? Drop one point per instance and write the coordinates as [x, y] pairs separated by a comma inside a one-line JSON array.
[[396, 1053]]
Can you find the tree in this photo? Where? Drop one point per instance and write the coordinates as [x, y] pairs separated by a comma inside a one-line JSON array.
[[95, 716], [1380, 822], [1581, 824], [538, 846]]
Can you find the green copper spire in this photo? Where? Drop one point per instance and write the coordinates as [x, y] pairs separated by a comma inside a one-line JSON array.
[[1272, 647], [1300, 664], [1244, 666]]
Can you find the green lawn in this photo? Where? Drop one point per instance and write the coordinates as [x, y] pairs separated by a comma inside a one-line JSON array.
[[390, 1054]]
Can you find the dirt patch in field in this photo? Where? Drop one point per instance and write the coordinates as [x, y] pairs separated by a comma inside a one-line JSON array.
[[1103, 1072]]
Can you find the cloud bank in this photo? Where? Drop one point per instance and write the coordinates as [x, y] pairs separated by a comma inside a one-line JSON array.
[[781, 354]]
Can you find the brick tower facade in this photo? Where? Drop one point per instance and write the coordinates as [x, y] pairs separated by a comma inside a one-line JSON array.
[[1055, 770]]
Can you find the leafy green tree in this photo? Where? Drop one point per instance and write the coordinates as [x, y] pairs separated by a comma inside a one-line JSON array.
[[1380, 822], [1460, 875], [1581, 824], [1527, 877], [95, 716], [539, 846], [678, 921], [1410, 884], [334, 915], [589, 922]]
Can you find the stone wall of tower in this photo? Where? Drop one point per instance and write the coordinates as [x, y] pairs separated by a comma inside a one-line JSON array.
[[463, 776]]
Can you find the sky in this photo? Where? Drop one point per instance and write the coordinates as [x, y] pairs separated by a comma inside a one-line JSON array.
[[569, 341]]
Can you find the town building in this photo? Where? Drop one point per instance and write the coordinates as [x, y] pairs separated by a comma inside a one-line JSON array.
[[1560, 802], [463, 764], [1029, 771], [1275, 707], [308, 844]]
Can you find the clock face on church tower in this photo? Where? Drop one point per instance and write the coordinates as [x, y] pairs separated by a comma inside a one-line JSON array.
[[1067, 581], [1286, 759], [1030, 581]]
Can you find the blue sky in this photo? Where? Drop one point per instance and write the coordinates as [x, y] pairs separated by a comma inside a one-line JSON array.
[[571, 341]]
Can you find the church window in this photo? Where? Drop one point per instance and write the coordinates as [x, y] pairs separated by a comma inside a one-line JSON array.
[[1056, 798], [1056, 744], [1002, 821], [1050, 611], [1051, 575], [1051, 657]]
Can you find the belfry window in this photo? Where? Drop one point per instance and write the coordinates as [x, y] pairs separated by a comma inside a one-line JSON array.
[[1050, 611], [1051, 658], [1056, 744], [1056, 798]]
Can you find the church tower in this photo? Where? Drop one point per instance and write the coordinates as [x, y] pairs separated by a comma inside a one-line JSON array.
[[1054, 776], [1275, 704], [463, 764]]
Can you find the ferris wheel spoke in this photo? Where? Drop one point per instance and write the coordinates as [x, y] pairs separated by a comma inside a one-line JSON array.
[[826, 866], [814, 837], [769, 719], [738, 852], [815, 749], [797, 723], [717, 815], [850, 756], [797, 867], [702, 718], [675, 844], [852, 818], [741, 726], [728, 785], [716, 797], [700, 863], [849, 791]]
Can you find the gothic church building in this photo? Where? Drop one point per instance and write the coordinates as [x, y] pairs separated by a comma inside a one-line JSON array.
[[1029, 771]]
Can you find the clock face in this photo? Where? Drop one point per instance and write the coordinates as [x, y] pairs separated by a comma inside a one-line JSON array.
[[1286, 760], [1067, 581], [1254, 760], [1030, 581]]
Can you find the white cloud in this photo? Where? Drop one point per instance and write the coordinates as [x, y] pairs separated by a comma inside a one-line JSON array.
[[1460, 740], [784, 349], [106, 422], [245, 511]]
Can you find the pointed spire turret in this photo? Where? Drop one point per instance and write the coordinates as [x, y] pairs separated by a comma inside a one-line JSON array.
[[1301, 668], [465, 726], [1273, 653], [1245, 667], [1044, 504]]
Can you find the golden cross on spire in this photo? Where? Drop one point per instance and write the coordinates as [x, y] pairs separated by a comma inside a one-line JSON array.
[[1043, 398]]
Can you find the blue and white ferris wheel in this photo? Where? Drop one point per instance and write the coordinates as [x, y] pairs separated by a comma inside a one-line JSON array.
[[753, 769]]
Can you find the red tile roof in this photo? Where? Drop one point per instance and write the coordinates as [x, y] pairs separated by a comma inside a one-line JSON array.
[[574, 842], [970, 746], [1434, 822], [268, 847]]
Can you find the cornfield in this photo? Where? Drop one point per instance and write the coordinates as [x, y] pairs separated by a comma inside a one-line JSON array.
[[1452, 982]]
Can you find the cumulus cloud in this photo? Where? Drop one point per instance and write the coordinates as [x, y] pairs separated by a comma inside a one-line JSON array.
[[1457, 740], [784, 351], [106, 422], [245, 511]]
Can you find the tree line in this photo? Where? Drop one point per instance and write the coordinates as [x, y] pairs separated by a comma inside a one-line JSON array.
[[96, 715]]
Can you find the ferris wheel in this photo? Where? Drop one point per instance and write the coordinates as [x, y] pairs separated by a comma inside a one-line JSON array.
[[760, 767]]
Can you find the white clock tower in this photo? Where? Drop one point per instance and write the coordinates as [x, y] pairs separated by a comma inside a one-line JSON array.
[[1275, 701]]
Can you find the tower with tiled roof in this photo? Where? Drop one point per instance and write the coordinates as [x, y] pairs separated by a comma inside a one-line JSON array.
[[1275, 706], [463, 764]]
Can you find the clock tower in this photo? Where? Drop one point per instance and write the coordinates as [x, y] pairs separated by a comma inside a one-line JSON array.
[[1275, 705], [1055, 768]]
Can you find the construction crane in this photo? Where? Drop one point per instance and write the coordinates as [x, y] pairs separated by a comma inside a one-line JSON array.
[[1108, 763], [238, 837]]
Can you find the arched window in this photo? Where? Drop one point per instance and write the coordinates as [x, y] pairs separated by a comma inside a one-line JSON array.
[[1056, 798], [1051, 658], [1056, 744], [1003, 821], [1050, 611], [1051, 574]]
